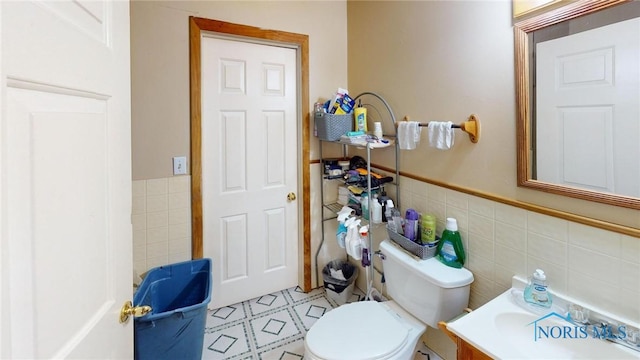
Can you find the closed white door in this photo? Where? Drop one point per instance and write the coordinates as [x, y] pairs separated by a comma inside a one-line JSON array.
[[249, 168], [588, 109], [66, 180]]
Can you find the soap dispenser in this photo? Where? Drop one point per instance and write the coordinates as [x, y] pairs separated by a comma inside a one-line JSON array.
[[536, 291]]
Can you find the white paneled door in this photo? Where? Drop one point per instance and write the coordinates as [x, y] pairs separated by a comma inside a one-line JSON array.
[[587, 109], [65, 180], [249, 168]]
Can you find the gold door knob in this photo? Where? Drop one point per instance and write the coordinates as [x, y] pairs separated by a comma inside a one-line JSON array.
[[129, 310], [291, 196]]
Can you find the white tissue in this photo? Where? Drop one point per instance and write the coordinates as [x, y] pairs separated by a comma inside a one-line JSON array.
[[337, 274], [408, 134], [344, 213], [441, 135]]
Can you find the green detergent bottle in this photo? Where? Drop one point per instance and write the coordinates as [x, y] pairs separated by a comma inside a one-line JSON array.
[[450, 250]]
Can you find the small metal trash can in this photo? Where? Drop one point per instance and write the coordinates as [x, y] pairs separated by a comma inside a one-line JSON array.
[[338, 289]]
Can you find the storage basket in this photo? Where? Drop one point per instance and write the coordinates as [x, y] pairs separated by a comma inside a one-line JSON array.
[[421, 251], [331, 126]]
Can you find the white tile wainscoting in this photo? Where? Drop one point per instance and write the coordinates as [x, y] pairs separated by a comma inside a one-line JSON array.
[[584, 262], [161, 218], [587, 263]]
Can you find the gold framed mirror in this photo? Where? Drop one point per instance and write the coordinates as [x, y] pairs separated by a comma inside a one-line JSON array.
[[575, 148]]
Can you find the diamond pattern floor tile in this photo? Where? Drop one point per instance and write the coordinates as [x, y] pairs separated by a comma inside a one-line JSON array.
[[310, 311], [226, 343], [267, 303], [293, 350], [272, 326], [226, 315]]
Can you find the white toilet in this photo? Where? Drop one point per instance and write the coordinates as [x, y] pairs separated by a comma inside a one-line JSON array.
[[423, 291]]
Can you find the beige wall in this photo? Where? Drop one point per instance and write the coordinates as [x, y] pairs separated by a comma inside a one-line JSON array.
[[160, 65], [160, 92], [443, 60]]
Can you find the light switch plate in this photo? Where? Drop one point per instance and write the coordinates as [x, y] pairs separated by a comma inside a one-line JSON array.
[[179, 165]]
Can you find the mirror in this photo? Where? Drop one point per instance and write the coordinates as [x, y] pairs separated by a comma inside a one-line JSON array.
[[578, 116]]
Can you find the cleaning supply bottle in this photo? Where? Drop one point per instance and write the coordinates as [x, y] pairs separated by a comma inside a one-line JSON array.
[[391, 213], [341, 234], [376, 210], [428, 229], [383, 201], [398, 222], [341, 231], [536, 291], [352, 240], [364, 245], [388, 213], [360, 117], [450, 250], [364, 205], [411, 224]]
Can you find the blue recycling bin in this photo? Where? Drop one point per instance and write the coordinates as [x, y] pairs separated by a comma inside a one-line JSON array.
[[178, 295]]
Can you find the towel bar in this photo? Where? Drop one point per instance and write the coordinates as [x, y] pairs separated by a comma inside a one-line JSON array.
[[471, 127]]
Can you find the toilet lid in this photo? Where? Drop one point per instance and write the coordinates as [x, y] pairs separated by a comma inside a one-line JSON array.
[[365, 330]]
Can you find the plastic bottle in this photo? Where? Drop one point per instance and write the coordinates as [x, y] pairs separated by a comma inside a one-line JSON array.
[[376, 210], [394, 218], [383, 201], [450, 250], [352, 240], [364, 205], [360, 117], [364, 245], [536, 291], [428, 226], [377, 129], [341, 234], [388, 213], [411, 224]]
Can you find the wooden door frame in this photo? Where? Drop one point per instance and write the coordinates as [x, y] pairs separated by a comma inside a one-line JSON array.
[[300, 43]]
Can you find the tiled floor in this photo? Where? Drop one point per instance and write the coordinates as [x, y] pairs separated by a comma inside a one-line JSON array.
[[271, 327]]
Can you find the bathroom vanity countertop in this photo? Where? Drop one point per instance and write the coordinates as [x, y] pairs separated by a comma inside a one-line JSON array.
[[508, 328]]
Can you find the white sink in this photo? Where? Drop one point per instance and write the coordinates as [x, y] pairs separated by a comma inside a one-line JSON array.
[[508, 328]]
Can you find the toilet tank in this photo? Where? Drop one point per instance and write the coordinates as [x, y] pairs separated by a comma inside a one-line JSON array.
[[428, 289]]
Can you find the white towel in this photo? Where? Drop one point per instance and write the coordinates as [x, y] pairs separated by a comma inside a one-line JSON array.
[[408, 134], [441, 135]]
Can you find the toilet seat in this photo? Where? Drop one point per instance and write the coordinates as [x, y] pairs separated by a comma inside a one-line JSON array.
[[366, 330]]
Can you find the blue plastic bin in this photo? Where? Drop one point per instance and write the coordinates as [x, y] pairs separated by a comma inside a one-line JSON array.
[[178, 295]]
